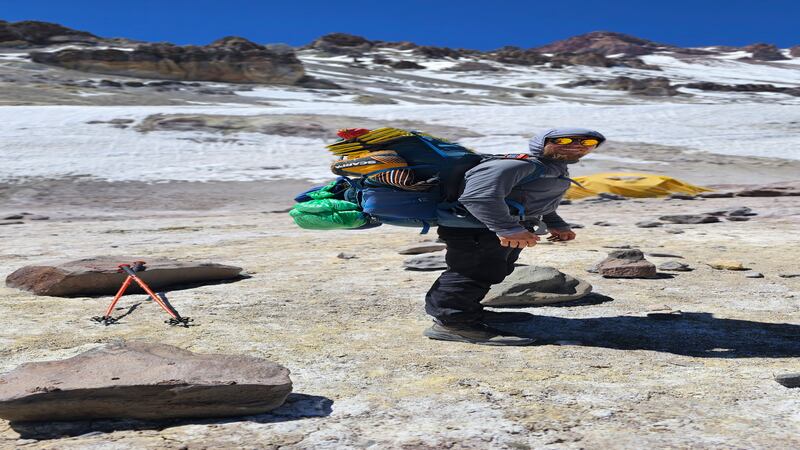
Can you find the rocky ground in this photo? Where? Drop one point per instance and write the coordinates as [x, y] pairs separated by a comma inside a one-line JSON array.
[[605, 375]]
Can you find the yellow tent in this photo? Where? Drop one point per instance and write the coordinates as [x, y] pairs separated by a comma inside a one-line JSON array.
[[631, 185]]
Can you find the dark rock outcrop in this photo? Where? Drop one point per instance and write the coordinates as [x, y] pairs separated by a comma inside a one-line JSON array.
[[34, 33], [439, 52], [342, 44], [750, 87], [473, 66], [794, 52], [593, 59], [655, 87], [99, 276], [406, 65], [770, 191], [139, 380], [605, 43], [765, 52], [230, 60]]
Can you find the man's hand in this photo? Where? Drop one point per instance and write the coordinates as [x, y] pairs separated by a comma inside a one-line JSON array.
[[560, 235], [519, 240]]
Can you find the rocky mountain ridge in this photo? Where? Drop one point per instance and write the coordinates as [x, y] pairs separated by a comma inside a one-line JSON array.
[[594, 67], [230, 59]]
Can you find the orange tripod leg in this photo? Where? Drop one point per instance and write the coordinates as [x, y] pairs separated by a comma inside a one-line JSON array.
[[156, 298], [117, 297]]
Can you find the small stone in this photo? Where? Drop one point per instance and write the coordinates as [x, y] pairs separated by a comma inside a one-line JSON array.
[[738, 211], [11, 222], [609, 196], [753, 274], [726, 264], [433, 261], [681, 197], [690, 218], [12, 217], [626, 264], [38, 217], [790, 380], [789, 275], [649, 224], [418, 249], [716, 195], [604, 224], [620, 246], [674, 231], [346, 256], [675, 266], [664, 255], [575, 226], [737, 218]]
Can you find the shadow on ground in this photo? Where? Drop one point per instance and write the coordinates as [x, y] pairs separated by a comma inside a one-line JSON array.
[[297, 406], [697, 334]]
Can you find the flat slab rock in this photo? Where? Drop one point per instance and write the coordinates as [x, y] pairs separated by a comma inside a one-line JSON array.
[[433, 261], [536, 285], [99, 276], [137, 380], [422, 247]]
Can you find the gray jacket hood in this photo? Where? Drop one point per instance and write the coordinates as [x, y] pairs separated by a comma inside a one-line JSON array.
[[536, 144]]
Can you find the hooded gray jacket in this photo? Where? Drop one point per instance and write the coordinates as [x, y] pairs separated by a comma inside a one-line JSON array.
[[490, 183]]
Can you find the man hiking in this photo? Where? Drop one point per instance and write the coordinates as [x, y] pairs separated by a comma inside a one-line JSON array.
[[480, 257]]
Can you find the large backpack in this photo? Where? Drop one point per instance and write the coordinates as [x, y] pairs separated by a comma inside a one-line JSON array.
[[439, 164]]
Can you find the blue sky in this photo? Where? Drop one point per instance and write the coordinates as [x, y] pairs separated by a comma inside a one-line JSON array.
[[469, 24]]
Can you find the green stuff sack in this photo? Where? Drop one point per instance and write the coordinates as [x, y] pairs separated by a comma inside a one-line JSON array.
[[328, 214]]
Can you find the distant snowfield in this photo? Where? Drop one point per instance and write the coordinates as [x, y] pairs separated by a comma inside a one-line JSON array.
[[56, 141]]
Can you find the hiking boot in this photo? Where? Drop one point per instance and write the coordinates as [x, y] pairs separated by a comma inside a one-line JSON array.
[[474, 333], [504, 316]]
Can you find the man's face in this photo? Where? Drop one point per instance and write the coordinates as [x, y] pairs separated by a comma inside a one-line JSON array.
[[571, 152]]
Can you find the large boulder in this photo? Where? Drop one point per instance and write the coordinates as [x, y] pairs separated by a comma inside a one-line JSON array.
[[517, 56], [535, 285], [139, 380], [99, 275], [628, 263], [230, 60]]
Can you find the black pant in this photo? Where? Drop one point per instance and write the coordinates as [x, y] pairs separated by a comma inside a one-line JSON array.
[[475, 261]]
